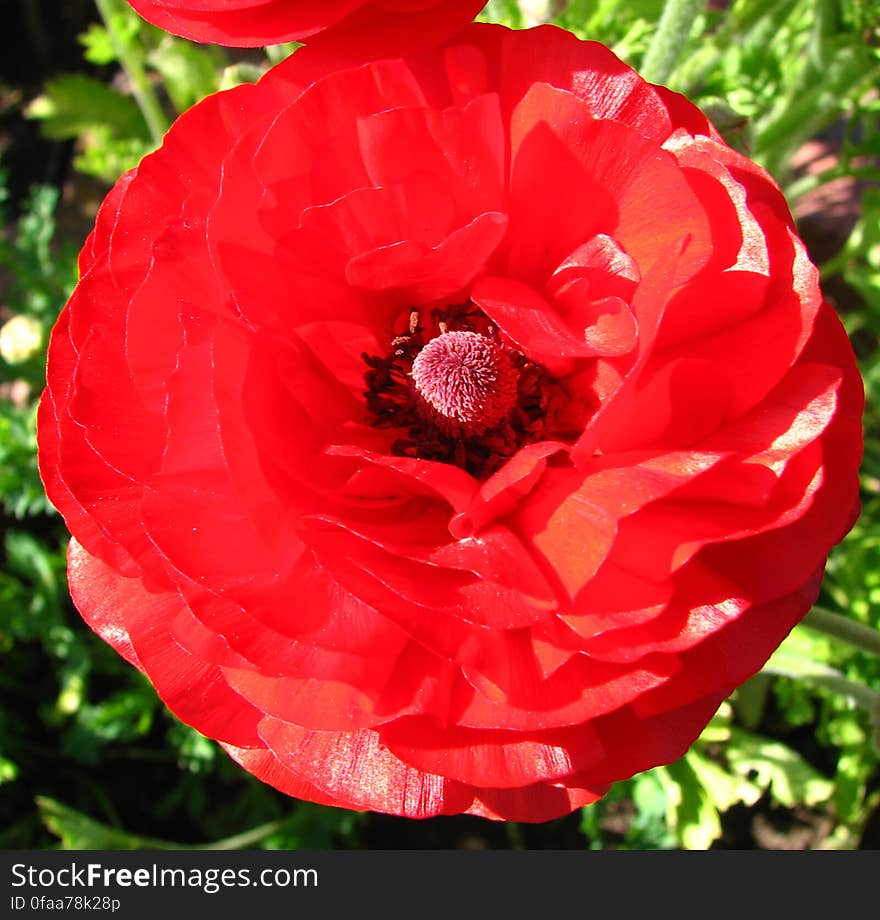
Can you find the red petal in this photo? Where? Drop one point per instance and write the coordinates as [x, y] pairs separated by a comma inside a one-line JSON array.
[[492, 758], [193, 689], [357, 768]]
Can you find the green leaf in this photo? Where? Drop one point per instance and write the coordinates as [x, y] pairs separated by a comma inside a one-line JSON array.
[[849, 785], [750, 700], [80, 832], [98, 45], [108, 159], [692, 815], [775, 767], [41, 273], [126, 27], [236, 74], [74, 104], [651, 799], [8, 770], [195, 752], [718, 728], [505, 12], [188, 72], [21, 492], [316, 827], [120, 718], [724, 789]]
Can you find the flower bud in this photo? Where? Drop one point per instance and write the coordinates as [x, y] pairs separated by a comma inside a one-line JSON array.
[[21, 339]]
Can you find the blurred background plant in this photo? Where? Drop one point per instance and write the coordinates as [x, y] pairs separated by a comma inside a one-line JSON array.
[[88, 756]]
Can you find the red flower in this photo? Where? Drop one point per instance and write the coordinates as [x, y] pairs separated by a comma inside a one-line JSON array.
[[359, 26], [449, 434]]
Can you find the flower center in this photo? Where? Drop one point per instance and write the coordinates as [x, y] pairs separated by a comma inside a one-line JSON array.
[[467, 380], [452, 391]]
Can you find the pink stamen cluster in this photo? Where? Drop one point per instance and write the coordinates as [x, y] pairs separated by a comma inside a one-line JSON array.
[[467, 379]]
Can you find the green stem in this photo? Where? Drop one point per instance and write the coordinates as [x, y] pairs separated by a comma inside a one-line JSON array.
[[247, 838], [805, 184], [141, 88], [841, 627], [669, 40], [744, 29], [822, 676], [515, 836], [825, 27], [836, 264], [808, 110]]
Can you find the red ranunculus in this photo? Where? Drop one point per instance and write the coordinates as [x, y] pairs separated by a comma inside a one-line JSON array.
[[358, 24], [449, 434]]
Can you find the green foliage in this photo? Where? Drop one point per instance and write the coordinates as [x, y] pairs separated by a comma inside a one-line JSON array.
[[503, 12], [772, 74], [123, 717], [41, 274], [776, 769], [80, 832], [80, 729], [309, 827], [111, 128], [75, 104], [632, 816], [21, 492], [857, 265], [189, 72], [122, 28], [682, 805], [115, 127]]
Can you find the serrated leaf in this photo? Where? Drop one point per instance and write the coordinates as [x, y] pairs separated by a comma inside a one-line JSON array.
[[188, 72], [649, 797], [692, 815], [775, 767], [650, 828], [98, 44], [21, 492], [80, 832], [123, 716], [74, 104], [723, 788], [123, 26], [108, 159]]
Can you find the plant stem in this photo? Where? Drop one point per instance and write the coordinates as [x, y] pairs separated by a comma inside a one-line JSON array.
[[141, 88], [821, 675], [810, 109], [743, 29], [247, 838], [841, 627], [515, 835], [805, 184], [669, 40]]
